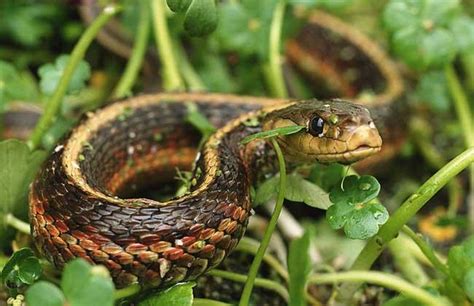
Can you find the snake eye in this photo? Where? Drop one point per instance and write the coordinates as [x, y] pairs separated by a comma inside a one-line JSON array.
[[316, 126]]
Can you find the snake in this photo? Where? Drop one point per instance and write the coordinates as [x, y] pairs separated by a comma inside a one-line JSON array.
[[85, 200], [79, 203]]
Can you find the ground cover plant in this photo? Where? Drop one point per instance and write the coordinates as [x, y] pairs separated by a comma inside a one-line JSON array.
[[395, 234]]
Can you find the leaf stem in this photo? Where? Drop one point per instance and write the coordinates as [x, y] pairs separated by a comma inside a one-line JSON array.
[[245, 298], [77, 55], [274, 72], [461, 105], [191, 78], [127, 291], [18, 224], [407, 210], [259, 282], [135, 61], [426, 249], [381, 279], [171, 79]]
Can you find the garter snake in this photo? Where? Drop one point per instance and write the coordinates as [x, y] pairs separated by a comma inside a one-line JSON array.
[[76, 211]]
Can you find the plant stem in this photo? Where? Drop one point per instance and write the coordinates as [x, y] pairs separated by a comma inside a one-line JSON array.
[[77, 55], [406, 263], [461, 105], [426, 249], [246, 245], [127, 291], [259, 282], [245, 298], [274, 72], [407, 210], [171, 78], [191, 78], [18, 224], [381, 279], [135, 61]]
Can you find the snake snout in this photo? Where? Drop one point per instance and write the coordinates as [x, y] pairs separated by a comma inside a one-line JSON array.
[[364, 141]]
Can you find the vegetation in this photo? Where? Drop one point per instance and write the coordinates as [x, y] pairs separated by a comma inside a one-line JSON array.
[[411, 226]]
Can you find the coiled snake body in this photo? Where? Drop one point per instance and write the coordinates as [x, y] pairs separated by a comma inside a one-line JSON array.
[[74, 205]]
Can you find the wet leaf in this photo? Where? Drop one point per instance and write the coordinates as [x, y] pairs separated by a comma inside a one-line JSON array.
[[22, 268], [354, 208]]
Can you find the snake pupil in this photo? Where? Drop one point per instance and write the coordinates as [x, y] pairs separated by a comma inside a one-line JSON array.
[[316, 126]]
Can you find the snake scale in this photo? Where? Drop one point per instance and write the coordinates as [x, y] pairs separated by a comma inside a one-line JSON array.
[[82, 203]]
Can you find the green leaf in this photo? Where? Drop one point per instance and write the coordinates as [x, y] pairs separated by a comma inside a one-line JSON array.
[[201, 18], [297, 189], [354, 208], [299, 268], [300, 190], [244, 26], [461, 266], [178, 295], [432, 90], [178, 5], [468, 282], [15, 86], [22, 268], [327, 176], [50, 75], [281, 131], [402, 14], [199, 121], [44, 294], [96, 286], [18, 166]]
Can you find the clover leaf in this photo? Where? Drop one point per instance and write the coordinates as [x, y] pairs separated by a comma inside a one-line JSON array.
[[244, 26], [23, 268], [96, 287], [50, 74], [432, 90], [178, 295], [461, 266], [421, 31], [354, 208]]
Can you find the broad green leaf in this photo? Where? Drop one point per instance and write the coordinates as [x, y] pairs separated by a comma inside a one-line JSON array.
[[50, 74], [178, 5], [300, 190], [357, 190], [297, 189], [201, 17], [44, 294], [178, 295], [299, 268], [29, 270], [18, 166], [281, 131], [468, 282], [463, 31], [461, 266], [96, 286]]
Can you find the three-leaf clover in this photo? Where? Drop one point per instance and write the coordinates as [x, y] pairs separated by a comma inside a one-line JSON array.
[[23, 268], [81, 284], [50, 74], [427, 33], [354, 208]]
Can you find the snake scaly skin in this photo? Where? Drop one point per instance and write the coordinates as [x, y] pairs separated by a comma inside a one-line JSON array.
[[81, 203]]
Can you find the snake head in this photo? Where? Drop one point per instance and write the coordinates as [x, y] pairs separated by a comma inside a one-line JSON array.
[[336, 131]]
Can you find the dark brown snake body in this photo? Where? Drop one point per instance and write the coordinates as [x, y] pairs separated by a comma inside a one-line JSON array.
[[82, 204]]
